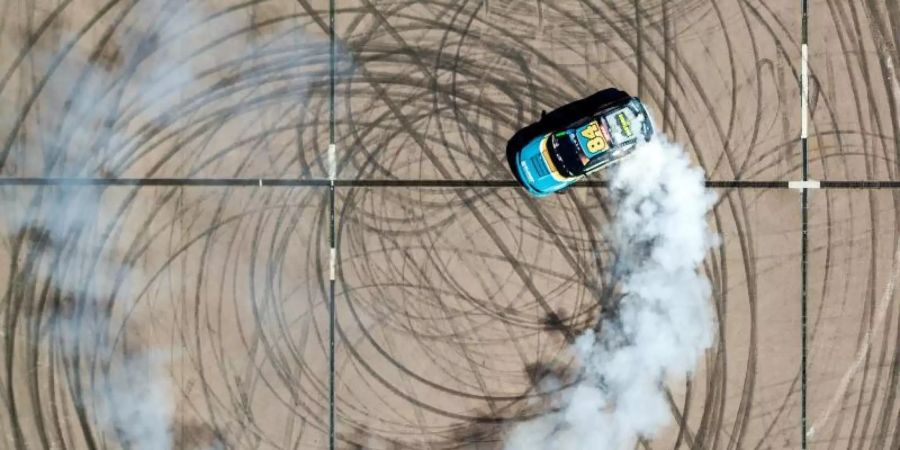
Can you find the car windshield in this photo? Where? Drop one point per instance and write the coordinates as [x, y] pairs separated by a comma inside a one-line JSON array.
[[568, 157], [624, 124]]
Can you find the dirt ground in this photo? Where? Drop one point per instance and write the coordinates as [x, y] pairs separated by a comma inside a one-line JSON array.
[[189, 307]]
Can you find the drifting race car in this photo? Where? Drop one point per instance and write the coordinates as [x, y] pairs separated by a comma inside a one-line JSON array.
[[578, 139]]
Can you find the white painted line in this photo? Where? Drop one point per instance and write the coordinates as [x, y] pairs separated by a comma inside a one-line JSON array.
[[332, 162], [811, 184], [260, 182], [331, 264], [804, 91]]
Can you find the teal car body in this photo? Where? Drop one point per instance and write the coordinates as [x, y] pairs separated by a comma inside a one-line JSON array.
[[553, 161]]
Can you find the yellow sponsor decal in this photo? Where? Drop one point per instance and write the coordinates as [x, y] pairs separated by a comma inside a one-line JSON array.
[[626, 125], [553, 171]]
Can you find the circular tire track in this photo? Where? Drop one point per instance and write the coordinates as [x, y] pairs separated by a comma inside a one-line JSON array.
[[452, 302]]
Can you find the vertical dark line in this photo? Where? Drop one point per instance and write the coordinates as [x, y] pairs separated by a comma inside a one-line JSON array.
[[301, 162], [332, 315], [639, 53], [804, 6], [804, 218], [666, 71], [332, 159], [540, 8], [804, 148], [331, 71]]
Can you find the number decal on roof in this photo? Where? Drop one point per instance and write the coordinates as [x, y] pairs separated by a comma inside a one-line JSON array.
[[595, 139], [591, 131]]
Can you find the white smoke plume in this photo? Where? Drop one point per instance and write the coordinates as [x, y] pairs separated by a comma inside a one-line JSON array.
[[137, 403], [90, 121], [660, 327]]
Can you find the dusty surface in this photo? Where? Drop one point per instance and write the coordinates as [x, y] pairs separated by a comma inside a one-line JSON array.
[[201, 313]]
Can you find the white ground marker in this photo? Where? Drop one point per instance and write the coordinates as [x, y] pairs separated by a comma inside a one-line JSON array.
[[804, 91], [332, 162], [331, 264], [804, 114], [809, 184]]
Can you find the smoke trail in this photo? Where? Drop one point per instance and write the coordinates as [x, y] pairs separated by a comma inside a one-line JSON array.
[[137, 405], [661, 326], [123, 111]]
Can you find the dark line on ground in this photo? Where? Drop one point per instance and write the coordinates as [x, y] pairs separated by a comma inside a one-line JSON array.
[[804, 217], [332, 310], [324, 182]]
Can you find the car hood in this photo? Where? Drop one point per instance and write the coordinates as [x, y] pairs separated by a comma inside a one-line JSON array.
[[538, 170]]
